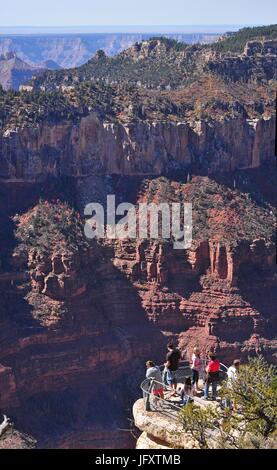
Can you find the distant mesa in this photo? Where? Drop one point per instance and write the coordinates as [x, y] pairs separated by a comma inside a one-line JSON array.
[[14, 71], [50, 65], [72, 50]]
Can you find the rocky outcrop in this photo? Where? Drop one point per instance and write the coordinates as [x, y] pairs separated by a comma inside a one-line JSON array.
[[205, 292], [61, 336], [256, 64], [13, 439], [159, 431], [95, 147], [260, 47]]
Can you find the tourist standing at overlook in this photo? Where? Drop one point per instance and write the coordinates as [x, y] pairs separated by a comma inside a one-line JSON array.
[[187, 392], [212, 376], [232, 374], [196, 364], [153, 372], [171, 366]]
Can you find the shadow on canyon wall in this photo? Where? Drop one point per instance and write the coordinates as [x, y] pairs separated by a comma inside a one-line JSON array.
[[87, 408], [85, 412]]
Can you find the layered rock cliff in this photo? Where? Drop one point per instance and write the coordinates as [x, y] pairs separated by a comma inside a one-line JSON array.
[[206, 111], [209, 294], [65, 343], [97, 147], [257, 63], [77, 326]]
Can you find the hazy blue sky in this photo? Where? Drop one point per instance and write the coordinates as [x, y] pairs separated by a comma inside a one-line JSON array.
[[138, 12]]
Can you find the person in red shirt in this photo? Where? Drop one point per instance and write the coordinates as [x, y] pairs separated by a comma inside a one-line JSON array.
[[212, 376]]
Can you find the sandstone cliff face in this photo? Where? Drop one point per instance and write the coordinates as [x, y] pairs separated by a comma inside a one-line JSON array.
[[96, 147], [203, 294], [80, 353], [67, 344], [76, 328], [65, 317], [260, 47]]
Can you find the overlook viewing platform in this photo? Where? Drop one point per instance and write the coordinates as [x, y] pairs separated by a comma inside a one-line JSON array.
[[159, 418], [171, 405]]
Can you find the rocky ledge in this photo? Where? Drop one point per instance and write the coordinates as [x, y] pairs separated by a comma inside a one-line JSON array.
[[159, 431]]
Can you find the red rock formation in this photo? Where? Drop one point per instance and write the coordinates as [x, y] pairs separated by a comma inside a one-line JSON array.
[[82, 320], [93, 144], [208, 307]]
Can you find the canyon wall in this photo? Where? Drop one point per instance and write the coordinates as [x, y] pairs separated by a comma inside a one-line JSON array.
[[203, 294], [77, 328], [71, 353], [256, 64], [97, 147], [75, 354]]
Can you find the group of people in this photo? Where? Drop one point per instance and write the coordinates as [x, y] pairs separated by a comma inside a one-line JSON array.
[[169, 376], [208, 368]]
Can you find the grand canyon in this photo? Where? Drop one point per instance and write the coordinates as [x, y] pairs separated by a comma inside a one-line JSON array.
[[25, 53], [160, 121]]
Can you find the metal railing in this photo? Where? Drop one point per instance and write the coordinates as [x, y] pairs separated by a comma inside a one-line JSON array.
[[165, 405]]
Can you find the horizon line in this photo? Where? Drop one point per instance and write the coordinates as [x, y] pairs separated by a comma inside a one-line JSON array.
[[129, 25], [122, 29]]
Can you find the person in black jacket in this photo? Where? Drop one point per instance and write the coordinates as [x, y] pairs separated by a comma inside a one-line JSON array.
[[172, 365]]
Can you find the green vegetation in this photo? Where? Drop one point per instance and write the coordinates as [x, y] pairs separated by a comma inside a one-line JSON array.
[[219, 213], [169, 43], [50, 228], [199, 422], [45, 311], [254, 395], [159, 62], [31, 108], [237, 41], [208, 98], [159, 79], [251, 424]]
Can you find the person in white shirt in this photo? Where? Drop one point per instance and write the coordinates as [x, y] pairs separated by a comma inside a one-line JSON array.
[[232, 372], [232, 375], [196, 364]]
